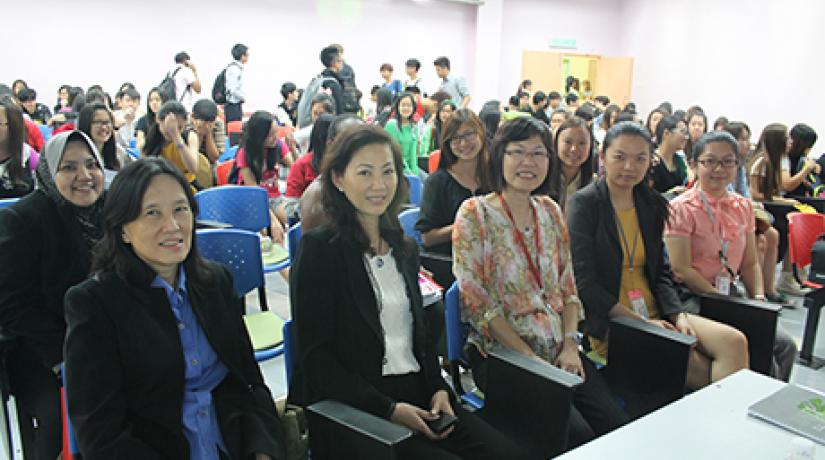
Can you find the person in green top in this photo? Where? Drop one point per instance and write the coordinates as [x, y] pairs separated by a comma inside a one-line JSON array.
[[406, 131]]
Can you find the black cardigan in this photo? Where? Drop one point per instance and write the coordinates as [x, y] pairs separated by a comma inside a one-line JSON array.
[[597, 256], [340, 346], [125, 370], [42, 254]]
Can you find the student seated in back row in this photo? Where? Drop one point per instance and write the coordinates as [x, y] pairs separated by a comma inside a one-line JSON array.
[[711, 236], [616, 227], [512, 262]]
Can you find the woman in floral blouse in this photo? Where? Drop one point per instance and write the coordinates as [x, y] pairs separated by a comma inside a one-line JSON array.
[[512, 261]]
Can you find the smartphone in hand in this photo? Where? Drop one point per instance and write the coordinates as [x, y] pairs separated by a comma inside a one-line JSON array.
[[442, 423]]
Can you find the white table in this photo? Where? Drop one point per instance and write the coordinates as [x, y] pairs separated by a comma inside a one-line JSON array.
[[712, 423]]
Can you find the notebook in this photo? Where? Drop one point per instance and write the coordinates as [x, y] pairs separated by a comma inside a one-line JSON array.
[[795, 409]]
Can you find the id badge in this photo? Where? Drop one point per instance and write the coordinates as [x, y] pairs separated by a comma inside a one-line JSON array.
[[723, 284], [637, 301]]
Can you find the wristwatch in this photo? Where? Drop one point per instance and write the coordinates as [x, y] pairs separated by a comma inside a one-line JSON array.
[[575, 336]]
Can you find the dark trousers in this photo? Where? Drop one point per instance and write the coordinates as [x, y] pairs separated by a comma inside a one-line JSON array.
[[37, 395], [472, 438], [233, 112], [595, 410]]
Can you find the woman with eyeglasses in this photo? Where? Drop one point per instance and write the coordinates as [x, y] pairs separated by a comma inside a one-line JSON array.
[[461, 174], [512, 261], [616, 228], [670, 170], [710, 236], [97, 122]]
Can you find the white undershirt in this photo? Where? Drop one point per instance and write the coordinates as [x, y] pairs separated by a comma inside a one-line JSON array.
[[394, 313]]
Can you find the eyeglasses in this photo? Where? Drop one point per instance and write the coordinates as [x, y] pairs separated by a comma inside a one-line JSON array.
[[518, 154], [713, 163], [101, 123], [466, 137]]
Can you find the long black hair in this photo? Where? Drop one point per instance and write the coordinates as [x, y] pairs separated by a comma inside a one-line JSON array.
[[557, 185], [653, 199], [343, 216], [318, 139], [803, 137], [154, 138], [14, 142], [396, 112], [124, 204], [438, 126], [84, 123], [151, 116], [255, 132], [383, 106]]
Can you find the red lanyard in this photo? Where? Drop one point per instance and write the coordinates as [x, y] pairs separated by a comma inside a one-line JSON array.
[[535, 267]]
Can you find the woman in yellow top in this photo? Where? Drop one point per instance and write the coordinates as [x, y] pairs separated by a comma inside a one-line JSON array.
[[616, 228], [167, 139]]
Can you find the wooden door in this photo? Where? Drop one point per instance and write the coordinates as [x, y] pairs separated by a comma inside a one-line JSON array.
[[543, 68], [614, 78]]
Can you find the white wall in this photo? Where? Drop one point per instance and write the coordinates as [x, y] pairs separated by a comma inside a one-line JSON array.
[[757, 61], [105, 42]]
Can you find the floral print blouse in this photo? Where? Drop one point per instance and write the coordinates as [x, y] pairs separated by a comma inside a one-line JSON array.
[[495, 278]]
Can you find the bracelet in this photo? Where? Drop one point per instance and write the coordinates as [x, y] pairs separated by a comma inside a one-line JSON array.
[[573, 335]]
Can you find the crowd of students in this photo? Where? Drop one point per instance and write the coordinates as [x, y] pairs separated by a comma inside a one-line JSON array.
[[559, 213]]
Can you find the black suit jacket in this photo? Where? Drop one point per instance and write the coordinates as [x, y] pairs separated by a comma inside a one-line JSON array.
[[42, 255], [340, 345], [125, 370], [598, 255]]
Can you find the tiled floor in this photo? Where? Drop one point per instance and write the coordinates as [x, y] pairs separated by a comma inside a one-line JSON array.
[[791, 318]]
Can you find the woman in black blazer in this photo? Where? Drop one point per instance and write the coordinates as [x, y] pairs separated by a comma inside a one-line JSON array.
[[45, 243], [158, 362], [359, 325], [605, 251]]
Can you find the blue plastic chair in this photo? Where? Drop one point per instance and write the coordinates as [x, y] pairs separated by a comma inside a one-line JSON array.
[[240, 251], [242, 207], [46, 131], [6, 202], [408, 219], [289, 350], [416, 189], [293, 237], [456, 339], [228, 154], [133, 152]]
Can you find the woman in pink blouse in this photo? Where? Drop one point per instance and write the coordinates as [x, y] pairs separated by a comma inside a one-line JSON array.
[[710, 235], [512, 261]]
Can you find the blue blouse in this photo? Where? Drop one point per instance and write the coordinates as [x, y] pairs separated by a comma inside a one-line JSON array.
[[203, 372]]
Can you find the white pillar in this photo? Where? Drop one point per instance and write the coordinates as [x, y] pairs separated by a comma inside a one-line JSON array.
[[487, 60]]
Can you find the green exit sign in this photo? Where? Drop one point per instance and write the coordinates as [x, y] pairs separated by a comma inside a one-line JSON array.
[[567, 43]]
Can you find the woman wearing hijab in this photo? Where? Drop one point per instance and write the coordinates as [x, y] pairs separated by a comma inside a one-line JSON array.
[[45, 248]]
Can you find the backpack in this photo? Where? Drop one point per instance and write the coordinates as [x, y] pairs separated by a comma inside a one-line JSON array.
[[817, 270], [349, 97], [166, 88], [219, 87], [305, 104]]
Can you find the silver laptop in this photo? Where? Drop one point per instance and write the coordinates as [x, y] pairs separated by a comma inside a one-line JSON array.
[[795, 409]]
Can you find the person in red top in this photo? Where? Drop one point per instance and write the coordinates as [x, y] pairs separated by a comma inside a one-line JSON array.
[[306, 168], [257, 162], [33, 135]]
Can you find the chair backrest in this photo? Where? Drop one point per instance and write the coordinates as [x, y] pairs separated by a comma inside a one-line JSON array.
[[408, 219], [293, 237], [239, 250], [289, 350], [6, 202], [803, 230], [416, 188], [456, 330], [241, 207], [433, 160], [234, 127], [228, 154]]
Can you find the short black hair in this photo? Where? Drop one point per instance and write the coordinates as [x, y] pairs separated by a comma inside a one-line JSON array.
[[287, 88], [539, 97], [374, 89], [586, 112], [326, 99], [442, 61], [131, 92], [553, 95], [515, 130], [27, 94], [604, 100], [513, 100], [571, 97], [328, 55], [413, 62], [238, 51], [625, 116], [181, 57], [205, 110]]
